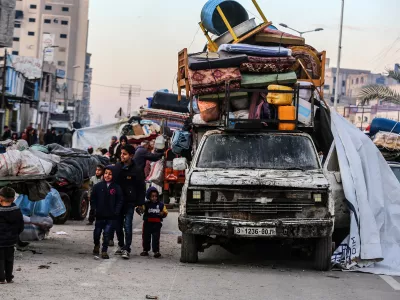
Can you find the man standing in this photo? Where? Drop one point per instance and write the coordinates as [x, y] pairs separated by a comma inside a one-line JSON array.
[[142, 155], [6, 133], [67, 139], [131, 181], [112, 148]]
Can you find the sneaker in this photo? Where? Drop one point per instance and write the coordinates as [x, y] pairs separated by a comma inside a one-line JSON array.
[[144, 253], [118, 252], [96, 250], [104, 255], [110, 243], [2, 282], [125, 254], [157, 255]]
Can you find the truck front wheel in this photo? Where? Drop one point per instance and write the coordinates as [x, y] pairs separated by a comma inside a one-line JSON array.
[[64, 217], [189, 249], [323, 253]]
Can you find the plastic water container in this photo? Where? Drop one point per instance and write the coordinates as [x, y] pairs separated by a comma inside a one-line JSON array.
[[286, 113], [159, 143], [233, 11], [279, 98]]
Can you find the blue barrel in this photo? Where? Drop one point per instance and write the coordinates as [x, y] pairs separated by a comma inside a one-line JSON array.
[[382, 124], [233, 11]]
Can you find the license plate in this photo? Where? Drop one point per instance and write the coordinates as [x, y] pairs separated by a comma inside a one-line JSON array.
[[255, 231]]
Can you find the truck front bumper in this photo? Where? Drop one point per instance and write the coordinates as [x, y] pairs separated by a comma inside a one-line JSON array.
[[285, 228]]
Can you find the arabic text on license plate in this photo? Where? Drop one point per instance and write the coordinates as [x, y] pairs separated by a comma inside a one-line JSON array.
[[255, 231]]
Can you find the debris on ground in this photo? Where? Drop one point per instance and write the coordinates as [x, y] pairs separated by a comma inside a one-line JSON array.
[[43, 267]]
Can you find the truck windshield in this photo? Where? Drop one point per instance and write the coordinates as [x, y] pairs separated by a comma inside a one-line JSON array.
[[258, 151], [396, 171]]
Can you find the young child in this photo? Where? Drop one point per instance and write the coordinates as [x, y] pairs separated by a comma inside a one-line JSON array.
[[11, 225], [154, 212], [94, 180], [106, 200]]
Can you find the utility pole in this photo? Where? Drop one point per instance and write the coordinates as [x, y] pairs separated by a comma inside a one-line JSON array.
[[52, 96], [338, 60], [3, 90], [130, 90]]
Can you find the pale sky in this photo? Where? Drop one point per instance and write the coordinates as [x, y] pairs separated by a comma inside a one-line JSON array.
[[136, 42]]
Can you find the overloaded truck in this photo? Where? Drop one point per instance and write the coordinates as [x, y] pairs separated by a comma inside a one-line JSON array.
[[264, 165]]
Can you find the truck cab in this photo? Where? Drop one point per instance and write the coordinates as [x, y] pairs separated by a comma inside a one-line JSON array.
[[246, 185]]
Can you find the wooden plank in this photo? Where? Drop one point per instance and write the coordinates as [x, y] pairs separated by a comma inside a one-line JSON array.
[[251, 33]]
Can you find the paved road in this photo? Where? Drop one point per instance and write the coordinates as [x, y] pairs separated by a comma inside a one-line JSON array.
[[71, 272]]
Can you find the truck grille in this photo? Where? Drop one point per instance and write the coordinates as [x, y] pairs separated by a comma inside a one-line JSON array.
[[255, 205]]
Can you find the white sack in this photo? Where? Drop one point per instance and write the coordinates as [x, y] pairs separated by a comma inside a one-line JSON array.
[[179, 164], [10, 163], [33, 165]]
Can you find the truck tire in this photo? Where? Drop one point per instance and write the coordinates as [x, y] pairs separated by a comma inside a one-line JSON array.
[[189, 250], [80, 204], [64, 217], [165, 196], [323, 254]]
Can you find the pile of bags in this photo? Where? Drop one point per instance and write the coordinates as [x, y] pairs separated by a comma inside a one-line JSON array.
[[23, 163]]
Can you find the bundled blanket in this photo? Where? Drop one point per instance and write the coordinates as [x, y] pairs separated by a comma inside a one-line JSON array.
[[268, 64]]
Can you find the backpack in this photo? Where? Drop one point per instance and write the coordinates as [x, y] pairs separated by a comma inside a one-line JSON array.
[[181, 140]]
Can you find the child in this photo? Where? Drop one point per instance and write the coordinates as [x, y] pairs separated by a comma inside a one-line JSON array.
[[154, 213], [11, 225], [94, 180], [106, 200]]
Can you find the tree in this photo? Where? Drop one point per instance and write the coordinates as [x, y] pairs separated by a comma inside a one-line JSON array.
[[381, 92]]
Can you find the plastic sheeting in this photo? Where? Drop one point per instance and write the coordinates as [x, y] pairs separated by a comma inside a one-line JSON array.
[[97, 137], [372, 191]]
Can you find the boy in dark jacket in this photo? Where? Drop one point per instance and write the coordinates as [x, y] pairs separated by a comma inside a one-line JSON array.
[[107, 200], [154, 212], [131, 181], [11, 225]]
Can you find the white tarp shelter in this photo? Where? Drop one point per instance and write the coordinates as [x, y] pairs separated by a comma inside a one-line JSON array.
[[96, 137], [373, 192]]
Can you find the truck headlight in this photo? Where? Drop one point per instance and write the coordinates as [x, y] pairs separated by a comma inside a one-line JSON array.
[[196, 195], [317, 198]]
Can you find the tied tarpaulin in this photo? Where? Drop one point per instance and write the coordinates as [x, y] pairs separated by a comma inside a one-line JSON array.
[[372, 191]]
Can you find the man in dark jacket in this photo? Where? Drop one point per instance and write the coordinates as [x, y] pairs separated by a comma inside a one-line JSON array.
[[142, 155], [107, 200], [131, 181], [11, 225]]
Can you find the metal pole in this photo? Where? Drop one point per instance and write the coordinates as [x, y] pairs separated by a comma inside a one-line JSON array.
[[40, 87], [129, 108], [362, 118], [339, 57], [3, 90]]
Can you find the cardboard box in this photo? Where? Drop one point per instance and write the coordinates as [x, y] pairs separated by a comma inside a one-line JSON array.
[[137, 129]]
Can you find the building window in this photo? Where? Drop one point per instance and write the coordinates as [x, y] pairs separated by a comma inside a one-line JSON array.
[[334, 80], [64, 22], [65, 9], [15, 53], [17, 25], [356, 80], [362, 80], [31, 33], [33, 6], [47, 21], [333, 91], [63, 36], [62, 49], [352, 81], [61, 63], [326, 87], [343, 83], [48, 7], [16, 39], [32, 20]]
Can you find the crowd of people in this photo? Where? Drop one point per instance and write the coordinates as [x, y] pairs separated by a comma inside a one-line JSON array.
[[117, 192], [42, 137]]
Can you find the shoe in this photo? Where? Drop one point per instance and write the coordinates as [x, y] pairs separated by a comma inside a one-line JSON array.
[[125, 254], [23, 244], [2, 282], [144, 253], [157, 255], [11, 281], [104, 255], [96, 250], [118, 252], [89, 223], [110, 243]]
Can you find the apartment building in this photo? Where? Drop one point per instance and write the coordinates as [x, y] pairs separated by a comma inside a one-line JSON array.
[[40, 24]]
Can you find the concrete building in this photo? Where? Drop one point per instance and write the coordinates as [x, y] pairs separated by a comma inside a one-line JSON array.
[[43, 23], [330, 83], [356, 82]]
